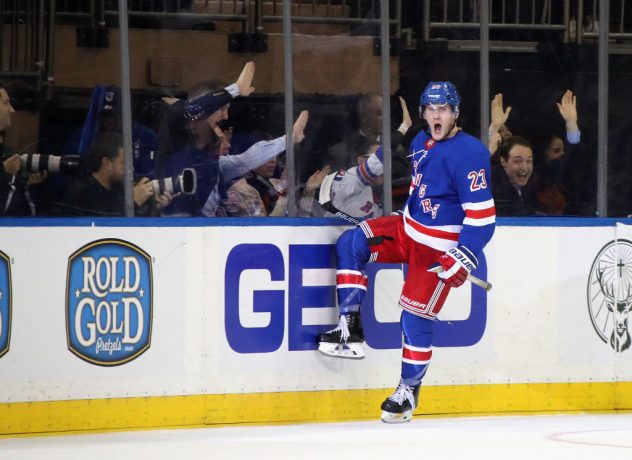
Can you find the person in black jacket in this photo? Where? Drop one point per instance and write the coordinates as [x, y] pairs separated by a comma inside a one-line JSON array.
[[552, 181], [512, 188], [100, 191], [548, 181]]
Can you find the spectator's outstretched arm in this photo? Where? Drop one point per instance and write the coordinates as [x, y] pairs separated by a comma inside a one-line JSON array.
[[314, 182], [397, 137], [499, 116], [244, 82], [494, 142], [233, 166], [242, 87], [298, 132], [205, 104], [568, 110], [407, 121]]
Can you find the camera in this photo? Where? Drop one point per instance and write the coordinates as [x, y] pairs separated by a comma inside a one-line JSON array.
[[40, 162], [185, 183]]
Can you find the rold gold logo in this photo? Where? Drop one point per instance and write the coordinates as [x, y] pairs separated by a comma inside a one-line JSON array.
[[109, 299]]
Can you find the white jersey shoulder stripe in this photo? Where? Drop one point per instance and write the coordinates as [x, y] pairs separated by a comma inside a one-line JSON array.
[[476, 206], [479, 222]]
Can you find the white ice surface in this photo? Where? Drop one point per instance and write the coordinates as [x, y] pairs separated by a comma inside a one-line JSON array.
[[534, 437]]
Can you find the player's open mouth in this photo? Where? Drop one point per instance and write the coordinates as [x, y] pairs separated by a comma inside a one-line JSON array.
[[437, 128]]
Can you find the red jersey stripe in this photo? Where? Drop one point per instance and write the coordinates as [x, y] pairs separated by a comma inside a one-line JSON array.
[[481, 213]]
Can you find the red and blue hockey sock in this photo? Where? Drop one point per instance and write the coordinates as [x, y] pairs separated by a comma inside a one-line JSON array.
[[417, 349], [352, 251]]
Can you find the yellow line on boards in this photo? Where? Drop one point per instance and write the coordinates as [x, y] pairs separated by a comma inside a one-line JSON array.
[[46, 417]]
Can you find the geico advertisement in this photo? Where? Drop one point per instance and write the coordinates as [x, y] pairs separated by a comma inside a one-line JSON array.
[[287, 263], [279, 293]]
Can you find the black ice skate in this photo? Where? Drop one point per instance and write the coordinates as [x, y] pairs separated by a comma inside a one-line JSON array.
[[345, 340], [399, 407]]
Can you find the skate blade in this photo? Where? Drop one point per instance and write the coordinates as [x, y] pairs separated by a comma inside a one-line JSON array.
[[342, 350], [389, 417]]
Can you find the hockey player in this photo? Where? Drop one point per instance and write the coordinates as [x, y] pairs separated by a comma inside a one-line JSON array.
[[448, 219]]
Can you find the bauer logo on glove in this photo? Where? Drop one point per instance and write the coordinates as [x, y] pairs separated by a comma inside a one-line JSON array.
[[462, 258], [457, 263]]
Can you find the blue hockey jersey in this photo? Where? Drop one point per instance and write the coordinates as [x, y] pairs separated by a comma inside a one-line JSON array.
[[451, 199]]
